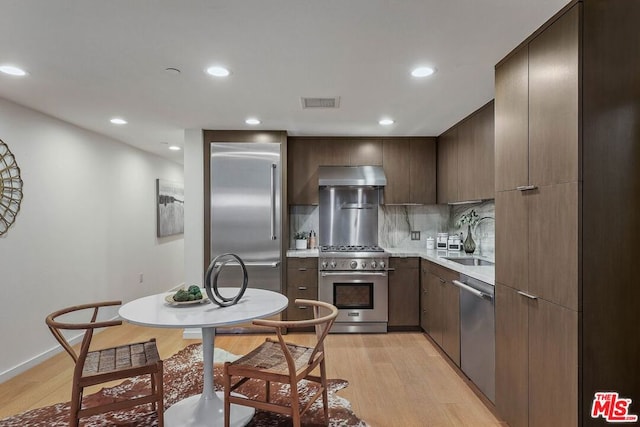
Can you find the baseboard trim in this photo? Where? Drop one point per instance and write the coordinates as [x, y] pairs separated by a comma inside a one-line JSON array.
[[36, 360], [192, 334]]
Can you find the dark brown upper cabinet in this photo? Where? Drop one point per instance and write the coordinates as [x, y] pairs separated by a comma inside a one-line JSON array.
[[365, 152], [410, 167], [466, 158], [537, 110], [409, 164], [554, 103], [305, 154], [512, 122], [448, 166], [302, 171], [422, 167]]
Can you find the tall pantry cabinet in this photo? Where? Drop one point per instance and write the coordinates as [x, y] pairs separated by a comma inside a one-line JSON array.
[[567, 126]]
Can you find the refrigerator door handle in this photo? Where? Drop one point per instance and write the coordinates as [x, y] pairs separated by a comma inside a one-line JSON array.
[[274, 264], [273, 202]]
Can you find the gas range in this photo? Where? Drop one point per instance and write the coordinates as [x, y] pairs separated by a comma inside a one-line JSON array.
[[355, 280]]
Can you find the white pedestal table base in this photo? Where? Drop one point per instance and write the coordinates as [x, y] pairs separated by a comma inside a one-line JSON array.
[[197, 411], [206, 409]]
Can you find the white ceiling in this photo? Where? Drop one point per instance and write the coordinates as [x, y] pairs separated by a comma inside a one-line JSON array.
[[90, 60]]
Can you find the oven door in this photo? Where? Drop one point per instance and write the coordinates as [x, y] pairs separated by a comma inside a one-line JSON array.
[[359, 296]]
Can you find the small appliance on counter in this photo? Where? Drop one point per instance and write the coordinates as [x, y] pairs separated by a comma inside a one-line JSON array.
[[454, 243], [441, 240], [431, 243]]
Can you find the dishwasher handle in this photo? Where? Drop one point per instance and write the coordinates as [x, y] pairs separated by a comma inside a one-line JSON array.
[[474, 291]]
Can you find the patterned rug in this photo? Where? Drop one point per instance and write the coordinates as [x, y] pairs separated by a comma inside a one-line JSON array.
[[183, 378]]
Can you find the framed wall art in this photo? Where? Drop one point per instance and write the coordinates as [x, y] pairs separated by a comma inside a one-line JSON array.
[[10, 188], [170, 203]]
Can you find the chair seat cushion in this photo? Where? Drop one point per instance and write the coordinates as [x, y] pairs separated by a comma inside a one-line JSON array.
[[269, 357], [120, 358]]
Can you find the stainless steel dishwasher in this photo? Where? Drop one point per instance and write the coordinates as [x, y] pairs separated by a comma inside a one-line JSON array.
[[477, 333]]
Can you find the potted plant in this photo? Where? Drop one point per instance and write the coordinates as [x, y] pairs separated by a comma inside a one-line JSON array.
[[301, 239]]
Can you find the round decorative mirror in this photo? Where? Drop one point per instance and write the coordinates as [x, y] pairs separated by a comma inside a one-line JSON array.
[[10, 188]]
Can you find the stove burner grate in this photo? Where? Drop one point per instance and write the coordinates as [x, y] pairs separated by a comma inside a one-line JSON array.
[[351, 248]]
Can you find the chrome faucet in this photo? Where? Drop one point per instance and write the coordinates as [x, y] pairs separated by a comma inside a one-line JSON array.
[[475, 231], [475, 227]]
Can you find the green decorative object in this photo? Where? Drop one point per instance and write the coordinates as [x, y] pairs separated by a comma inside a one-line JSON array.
[[10, 188], [469, 245]]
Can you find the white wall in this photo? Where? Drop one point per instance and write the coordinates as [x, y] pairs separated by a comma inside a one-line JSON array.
[[85, 231], [193, 207]]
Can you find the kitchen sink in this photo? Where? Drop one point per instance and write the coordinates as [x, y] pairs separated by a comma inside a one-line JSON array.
[[471, 261]]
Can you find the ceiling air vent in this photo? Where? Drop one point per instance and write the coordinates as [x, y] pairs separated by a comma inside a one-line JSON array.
[[320, 102]]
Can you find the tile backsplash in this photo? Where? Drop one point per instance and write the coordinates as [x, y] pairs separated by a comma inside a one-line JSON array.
[[484, 233], [302, 218], [395, 222]]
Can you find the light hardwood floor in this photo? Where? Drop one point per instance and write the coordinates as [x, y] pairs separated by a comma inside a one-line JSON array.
[[395, 379]]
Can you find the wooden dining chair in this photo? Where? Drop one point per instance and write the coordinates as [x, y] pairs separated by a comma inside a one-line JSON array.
[[99, 366], [282, 362]]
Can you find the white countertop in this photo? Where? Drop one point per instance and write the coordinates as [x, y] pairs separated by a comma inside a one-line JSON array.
[[302, 253], [485, 274]]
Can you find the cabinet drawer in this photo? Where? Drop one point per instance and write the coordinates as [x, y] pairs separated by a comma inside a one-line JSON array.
[[397, 262], [440, 271], [302, 263], [302, 291], [300, 312], [308, 278]]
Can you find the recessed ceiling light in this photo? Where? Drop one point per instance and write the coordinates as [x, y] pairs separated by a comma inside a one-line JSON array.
[[217, 71], [174, 148], [12, 70], [252, 121], [422, 71], [118, 121], [386, 122]]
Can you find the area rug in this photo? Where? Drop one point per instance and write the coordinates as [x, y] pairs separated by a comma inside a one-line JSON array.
[[183, 378]]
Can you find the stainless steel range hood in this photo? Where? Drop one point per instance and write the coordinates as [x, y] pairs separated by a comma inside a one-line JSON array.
[[356, 176]]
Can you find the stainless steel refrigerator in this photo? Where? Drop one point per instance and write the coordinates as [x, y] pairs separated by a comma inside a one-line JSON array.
[[246, 182]]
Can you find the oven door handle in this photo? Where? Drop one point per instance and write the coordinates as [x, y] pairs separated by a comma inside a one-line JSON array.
[[353, 273]]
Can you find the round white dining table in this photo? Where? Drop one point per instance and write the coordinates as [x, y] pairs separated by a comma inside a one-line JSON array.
[[206, 409]]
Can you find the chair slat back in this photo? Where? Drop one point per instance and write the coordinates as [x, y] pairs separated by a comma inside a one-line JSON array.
[[322, 325], [321, 328], [56, 326]]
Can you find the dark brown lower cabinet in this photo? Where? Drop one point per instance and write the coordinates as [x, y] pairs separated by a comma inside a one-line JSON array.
[[451, 321], [536, 360], [424, 298], [302, 282], [435, 318], [512, 356], [404, 293], [442, 307]]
